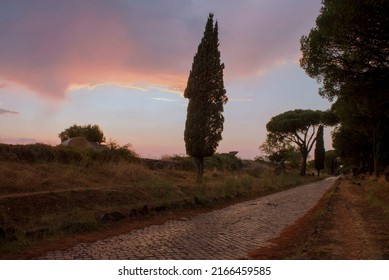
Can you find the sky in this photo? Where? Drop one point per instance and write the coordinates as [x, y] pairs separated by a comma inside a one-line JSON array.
[[124, 64]]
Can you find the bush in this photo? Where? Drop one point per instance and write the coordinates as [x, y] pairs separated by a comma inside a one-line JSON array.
[[28, 153], [223, 162], [116, 152], [218, 161], [38, 153], [183, 162], [92, 133]]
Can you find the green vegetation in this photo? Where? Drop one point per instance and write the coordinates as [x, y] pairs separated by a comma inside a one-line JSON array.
[[279, 151], [299, 127], [49, 199], [92, 133], [49, 192], [40, 153], [347, 52], [378, 197], [331, 163], [226, 162], [207, 95]]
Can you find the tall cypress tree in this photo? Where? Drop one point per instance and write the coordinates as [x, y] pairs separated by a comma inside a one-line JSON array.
[[207, 95], [320, 153]]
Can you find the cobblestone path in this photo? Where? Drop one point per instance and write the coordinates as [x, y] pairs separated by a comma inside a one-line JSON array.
[[228, 233]]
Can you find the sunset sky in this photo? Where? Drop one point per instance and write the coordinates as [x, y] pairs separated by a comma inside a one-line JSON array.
[[123, 64]]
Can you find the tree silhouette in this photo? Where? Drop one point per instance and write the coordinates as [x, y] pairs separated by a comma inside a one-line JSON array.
[[207, 95], [92, 133], [299, 127], [278, 151], [348, 53], [320, 152]]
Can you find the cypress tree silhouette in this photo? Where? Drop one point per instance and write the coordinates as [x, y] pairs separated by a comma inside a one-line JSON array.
[[207, 95], [320, 153]]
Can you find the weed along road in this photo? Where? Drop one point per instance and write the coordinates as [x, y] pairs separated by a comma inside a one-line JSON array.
[[229, 233]]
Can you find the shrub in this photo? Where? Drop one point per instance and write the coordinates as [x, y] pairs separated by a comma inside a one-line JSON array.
[[117, 152], [29, 153], [38, 153], [224, 162], [183, 162], [217, 161]]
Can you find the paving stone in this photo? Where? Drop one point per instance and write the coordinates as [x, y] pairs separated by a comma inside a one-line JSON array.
[[228, 233]]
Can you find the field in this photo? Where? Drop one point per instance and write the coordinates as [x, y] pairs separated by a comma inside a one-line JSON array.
[[45, 201]]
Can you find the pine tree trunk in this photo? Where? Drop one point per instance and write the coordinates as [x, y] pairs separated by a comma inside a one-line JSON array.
[[199, 163]]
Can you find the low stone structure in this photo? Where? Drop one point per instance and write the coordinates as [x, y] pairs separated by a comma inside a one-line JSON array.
[[78, 142]]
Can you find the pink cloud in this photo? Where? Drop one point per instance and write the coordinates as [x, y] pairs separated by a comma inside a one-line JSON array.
[[49, 46]]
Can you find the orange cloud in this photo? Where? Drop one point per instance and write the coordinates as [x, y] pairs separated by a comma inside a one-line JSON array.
[[51, 46]]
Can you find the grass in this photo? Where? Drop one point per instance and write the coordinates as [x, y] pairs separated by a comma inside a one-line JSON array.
[[45, 200], [326, 202], [372, 206], [378, 196]]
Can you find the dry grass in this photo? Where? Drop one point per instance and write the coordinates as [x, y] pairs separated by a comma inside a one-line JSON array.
[[352, 222], [25, 178], [63, 199]]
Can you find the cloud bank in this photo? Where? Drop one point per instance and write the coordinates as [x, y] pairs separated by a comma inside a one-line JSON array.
[[5, 112], [50, 46]]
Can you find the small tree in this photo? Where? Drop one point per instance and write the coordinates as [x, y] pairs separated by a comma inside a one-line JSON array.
[[92, 133], [353, 147], [319, 151], [331, 163], [206, 94], [278, 151]]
